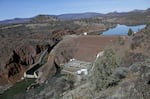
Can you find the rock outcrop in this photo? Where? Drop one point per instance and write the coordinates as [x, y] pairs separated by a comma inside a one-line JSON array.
[[20, 59]]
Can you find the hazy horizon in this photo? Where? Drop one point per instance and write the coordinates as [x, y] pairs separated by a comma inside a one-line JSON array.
[[11, 9]]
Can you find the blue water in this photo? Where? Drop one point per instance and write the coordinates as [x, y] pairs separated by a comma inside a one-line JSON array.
[[122, 29]]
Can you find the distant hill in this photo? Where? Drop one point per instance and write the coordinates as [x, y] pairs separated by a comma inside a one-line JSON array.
[[15, 20], [78, 15], [43, 18], [120, 14], [36, 19], [46, 18]]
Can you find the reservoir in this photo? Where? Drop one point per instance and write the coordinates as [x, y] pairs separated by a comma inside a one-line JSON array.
[[122, 29]]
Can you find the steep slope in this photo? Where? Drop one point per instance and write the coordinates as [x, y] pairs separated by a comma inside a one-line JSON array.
[[17, 54]]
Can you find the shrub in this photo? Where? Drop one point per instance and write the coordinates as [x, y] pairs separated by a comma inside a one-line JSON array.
[[104, 67], [121, 41], [117, 75], [147, 24]]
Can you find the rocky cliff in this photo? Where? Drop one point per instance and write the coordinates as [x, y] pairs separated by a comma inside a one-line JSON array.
[[18, 54]]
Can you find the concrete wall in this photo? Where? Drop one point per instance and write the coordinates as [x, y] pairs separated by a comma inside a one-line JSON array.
[[30, 76]]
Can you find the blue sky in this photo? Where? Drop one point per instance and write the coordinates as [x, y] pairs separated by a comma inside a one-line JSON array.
[[29, 8]]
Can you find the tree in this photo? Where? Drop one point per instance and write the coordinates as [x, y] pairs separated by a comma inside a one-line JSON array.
[[147, 24], [104, 67], [130, 32]]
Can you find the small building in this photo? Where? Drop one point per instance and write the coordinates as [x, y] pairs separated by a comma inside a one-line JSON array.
[[34, 75], [72, 59], [82, 71], [33, 71], [77, 67], [85, 33]]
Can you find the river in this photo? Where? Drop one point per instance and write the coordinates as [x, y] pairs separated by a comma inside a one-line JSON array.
[[122, 29]]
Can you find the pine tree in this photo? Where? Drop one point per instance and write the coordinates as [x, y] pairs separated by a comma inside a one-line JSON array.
[[130, 32], [147, 24]]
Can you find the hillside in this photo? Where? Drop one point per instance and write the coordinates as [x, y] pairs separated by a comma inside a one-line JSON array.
[[78, 16]]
